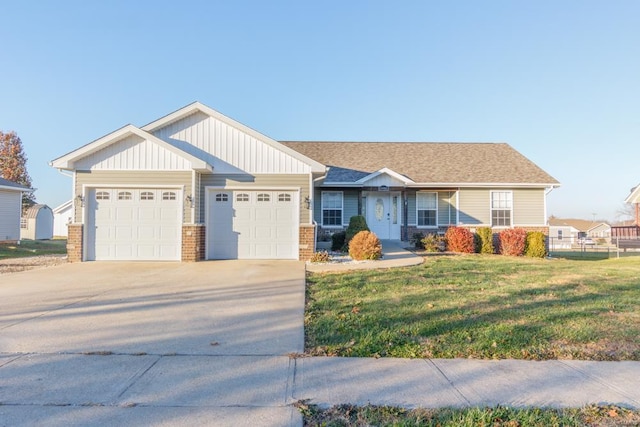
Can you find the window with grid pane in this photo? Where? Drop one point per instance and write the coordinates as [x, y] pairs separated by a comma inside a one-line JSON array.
[[427, 208], [332, 208], [501, 208]]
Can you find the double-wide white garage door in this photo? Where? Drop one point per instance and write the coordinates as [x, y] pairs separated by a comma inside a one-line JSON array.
[[256, 224], [134, 224]]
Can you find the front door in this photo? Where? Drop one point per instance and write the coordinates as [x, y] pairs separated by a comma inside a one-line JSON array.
[[383, 214]]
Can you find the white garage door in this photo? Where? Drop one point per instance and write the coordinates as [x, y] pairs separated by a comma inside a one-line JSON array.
[[252, 225], [134, 224]]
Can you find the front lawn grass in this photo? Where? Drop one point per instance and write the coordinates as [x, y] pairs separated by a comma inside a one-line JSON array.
[[479, 306], [347, 415], [28, 248]]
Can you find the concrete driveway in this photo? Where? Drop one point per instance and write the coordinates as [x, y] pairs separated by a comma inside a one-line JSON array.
[[151, 343]]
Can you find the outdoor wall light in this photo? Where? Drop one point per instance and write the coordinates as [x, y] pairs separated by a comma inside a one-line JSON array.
[[189, 200], [307, 202], [80, 200]]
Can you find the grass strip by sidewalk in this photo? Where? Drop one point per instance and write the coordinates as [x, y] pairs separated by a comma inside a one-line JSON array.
[[479, 306], [28, 248], [347, 415]]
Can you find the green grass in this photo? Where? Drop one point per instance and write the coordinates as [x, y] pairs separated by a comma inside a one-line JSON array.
[[346, 415], [479, 306], [28, 248]]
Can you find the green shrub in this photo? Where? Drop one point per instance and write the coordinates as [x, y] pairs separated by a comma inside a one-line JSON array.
[[365, 245], [485, 240], [320, 256], [357, 223], [460, 239], [337, 240], [535, 246], [512, 241], [433, 243], [417, 240]]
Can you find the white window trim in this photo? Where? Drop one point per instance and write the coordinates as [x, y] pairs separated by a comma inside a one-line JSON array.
[[436, 209], [341, 209], [491, 209]]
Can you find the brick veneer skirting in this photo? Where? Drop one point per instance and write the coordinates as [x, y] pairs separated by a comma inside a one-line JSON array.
[[74, 242], [193, 243], [306, 242]]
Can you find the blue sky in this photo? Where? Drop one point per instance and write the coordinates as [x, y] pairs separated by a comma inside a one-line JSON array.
[[558, 80]]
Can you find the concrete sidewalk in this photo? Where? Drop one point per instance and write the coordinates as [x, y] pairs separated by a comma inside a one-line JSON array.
[[438, 383], [117, 389], [393, 255]]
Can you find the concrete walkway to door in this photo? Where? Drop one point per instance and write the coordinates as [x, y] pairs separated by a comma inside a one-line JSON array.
[[393, 255]]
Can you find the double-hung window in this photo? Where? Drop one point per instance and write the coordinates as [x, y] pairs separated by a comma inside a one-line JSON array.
[[501, 208], [332, 208], [427, 209]]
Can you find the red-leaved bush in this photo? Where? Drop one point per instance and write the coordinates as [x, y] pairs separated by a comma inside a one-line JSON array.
[[460, 239], [513, 241]]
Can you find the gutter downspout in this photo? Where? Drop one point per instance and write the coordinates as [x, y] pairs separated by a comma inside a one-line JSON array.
[[546, 216]]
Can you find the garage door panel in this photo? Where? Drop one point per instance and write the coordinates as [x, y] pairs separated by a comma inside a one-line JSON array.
[[123, 251], [122, 213], [264, 213], [263, 232], [146, 232], [148, 214], [283, 216], [254, 224], [146, 251], [284, 233]]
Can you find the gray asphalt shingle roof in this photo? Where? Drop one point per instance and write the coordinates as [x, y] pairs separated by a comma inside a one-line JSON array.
[[425, 162], [7, 183]]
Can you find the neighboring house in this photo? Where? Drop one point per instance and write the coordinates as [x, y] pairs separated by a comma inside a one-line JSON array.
[[62, 216], [630, 231], [561, 235], [37, 223], [10, 210], [196, 184], [564, 232], [600, 230]]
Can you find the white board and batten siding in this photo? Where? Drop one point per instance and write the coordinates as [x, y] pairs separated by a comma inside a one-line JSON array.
[[228, 149], [133, 153], [10, 207]]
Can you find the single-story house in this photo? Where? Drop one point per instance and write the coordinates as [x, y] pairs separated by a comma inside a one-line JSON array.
[[62, 216], [10, 210], [197, 185], [37, 223], [564, 232]]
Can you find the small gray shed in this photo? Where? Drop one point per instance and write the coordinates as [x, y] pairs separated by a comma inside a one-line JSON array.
[[37, 223]]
